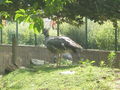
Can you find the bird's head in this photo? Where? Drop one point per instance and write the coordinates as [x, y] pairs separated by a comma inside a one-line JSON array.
[[46, 32]]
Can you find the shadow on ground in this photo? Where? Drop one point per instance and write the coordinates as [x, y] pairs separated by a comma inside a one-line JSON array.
[[47, 69]]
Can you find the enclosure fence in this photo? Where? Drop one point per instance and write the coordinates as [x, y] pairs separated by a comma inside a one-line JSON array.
[[26, 53]]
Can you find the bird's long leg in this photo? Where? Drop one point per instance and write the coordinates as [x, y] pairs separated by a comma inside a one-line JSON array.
[[57, 59], [60, 59], [58, 62]]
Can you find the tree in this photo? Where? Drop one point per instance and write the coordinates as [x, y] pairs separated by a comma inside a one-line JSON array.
[[70, 11]]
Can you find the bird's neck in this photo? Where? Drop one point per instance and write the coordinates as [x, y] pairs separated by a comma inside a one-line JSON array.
[[46, 36]]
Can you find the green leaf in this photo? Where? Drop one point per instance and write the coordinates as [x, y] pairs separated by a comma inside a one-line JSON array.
[[8, 1], [20, 11], [31, 26], [1, 26], [18, 16]]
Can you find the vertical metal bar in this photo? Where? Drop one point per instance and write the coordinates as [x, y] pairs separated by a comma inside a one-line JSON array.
[[1, 36], [35, 39], [58, 28], [1, 31], [86, 32], [116, 39], [17, 31]]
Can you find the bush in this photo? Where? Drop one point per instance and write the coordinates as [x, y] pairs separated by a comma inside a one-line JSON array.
[[25, 36], [99, 36], [111, 59], [102, 37]]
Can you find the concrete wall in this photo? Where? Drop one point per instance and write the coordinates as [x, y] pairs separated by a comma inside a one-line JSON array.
[[100, 55], [26, 53]]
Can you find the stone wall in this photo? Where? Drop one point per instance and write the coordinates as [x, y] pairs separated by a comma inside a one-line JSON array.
[[26, 53], [100, 55]]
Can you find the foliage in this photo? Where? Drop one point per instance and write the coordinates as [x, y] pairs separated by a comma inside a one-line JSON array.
[[25, 36], [63, 10], [36, 23], [47, 77], [96, 10], [102, 63], [65, 62], [71, 11], [102, 36], [86, 62], [111, 59], [99, 36]]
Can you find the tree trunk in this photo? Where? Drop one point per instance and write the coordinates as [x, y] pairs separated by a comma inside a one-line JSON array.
[[13, 66]]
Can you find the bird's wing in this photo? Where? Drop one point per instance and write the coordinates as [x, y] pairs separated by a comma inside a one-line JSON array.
[[61, 43], [70, 42], [55, 44]]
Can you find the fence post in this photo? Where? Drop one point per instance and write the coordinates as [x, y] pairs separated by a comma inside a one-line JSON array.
[[86, 32], [17, 32], [1, 32], [14, 44], [13, 64], [115, 25], [58, 28], [35, 39]]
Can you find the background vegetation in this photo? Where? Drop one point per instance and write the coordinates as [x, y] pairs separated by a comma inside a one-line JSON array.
[[25, 35], [99, 36]]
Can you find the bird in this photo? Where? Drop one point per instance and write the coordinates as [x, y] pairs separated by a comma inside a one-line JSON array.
[[60, 44]]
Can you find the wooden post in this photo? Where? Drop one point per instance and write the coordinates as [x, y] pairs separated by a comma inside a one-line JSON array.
[[14, 44], [13, 65]]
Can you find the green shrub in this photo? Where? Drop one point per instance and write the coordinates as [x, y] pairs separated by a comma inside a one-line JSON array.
[[102, 63], [66, 62], [111, 59], [25, 36], [86, 62], [99, 36], [102, 37]]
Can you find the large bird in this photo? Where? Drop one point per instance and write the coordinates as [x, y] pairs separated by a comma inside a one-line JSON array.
[[60, 44]]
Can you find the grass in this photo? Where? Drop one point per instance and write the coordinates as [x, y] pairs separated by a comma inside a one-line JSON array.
[[49, 78]]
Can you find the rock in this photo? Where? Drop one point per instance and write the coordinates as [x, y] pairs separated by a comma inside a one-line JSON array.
[[22, 67], [37, 62], [67, 56]]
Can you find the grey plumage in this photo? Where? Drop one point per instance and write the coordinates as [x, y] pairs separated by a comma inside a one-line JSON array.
[[60, 44]]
